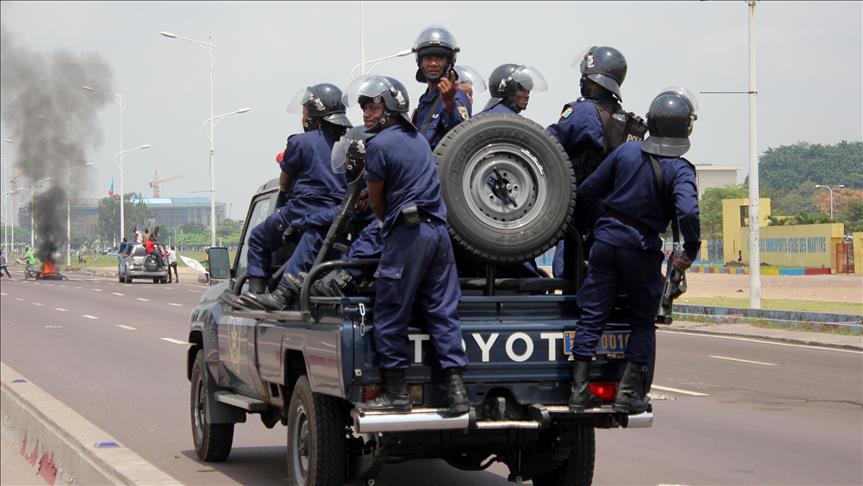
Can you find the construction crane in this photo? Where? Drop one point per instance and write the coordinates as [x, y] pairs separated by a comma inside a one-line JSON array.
[[156, 182]]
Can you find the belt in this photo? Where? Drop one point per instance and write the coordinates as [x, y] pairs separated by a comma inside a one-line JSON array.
[[642, 228]]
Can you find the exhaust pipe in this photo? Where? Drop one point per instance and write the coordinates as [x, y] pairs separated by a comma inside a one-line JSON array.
[[417, 419]]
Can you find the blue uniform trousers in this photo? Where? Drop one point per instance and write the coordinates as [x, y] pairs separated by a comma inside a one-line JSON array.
[[267, 236], [417, 268], [611, 271]]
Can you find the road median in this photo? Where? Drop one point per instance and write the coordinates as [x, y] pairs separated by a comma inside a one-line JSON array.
[[60, 445]]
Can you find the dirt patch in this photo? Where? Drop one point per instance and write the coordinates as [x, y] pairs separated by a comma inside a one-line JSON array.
[[827, 288]]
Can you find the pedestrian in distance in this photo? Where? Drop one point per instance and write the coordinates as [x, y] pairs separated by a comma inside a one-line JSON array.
[[642, 186], [4, 265], [172, 265]]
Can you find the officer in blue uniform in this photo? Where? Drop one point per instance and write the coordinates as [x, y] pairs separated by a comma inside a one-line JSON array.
[[626, 256], [417, 266], [510, 86], [443, 105], [592, 126], [471, 82], [306, 176]]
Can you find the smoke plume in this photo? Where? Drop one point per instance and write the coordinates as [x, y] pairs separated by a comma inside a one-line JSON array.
[[54, 124]]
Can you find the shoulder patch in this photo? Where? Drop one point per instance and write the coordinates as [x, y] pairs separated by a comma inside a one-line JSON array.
[[463, 112], [566, 112]]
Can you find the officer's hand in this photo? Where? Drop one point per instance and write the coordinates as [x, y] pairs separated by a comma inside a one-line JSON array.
[[292, 232], [682, 262], [362, 204], [447, 88]]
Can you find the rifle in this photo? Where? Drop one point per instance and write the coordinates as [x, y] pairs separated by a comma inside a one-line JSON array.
[[674, 287]]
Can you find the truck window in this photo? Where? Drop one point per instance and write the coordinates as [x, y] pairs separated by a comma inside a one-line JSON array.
[[259, 213]]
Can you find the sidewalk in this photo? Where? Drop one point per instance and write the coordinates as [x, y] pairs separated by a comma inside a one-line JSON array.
[[826, 339]]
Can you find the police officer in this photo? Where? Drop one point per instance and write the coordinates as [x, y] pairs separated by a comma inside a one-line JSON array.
[[470, 81], [306, 174], [642, 186], [443, 105], [417, 267], [594, 125], [510, 86]]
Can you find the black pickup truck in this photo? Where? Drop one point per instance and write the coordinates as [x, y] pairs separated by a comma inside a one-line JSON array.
[[307, 369]]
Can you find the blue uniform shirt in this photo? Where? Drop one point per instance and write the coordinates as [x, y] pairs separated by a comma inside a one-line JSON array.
[[307, 160], [579, 123], [432, 110], [402, 159], [626, 183], [498, 108]]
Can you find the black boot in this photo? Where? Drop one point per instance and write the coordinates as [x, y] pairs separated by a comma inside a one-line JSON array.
[[631, 395], [280, 299], [337, 283], [395, 396], [456, 395], [257, 286], [580, 398]]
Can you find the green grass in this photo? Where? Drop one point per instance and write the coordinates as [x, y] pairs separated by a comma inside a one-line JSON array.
[[102, 261], [778, 304]]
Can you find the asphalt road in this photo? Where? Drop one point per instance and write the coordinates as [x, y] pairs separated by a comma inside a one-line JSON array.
[[728, 411]]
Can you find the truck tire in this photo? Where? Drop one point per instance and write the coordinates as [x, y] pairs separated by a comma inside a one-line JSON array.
[[212, 441], [578, 468], [151, 264], [508, 186], [316, 438]]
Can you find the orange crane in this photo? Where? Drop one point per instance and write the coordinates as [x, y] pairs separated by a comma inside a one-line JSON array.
[[156, 182]]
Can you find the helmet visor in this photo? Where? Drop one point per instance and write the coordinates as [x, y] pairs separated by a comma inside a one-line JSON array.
[[530, 79], [471, 76], [687, 95], [368, 86], [581, 61], [339, 155], [295, 106]]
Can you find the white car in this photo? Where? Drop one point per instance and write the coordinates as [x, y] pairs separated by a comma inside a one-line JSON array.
[[137, 264]]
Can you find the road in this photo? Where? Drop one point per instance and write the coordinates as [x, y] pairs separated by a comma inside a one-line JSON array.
[[728, 411]]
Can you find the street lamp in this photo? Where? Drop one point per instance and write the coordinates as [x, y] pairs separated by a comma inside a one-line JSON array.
[[6, 209], [121, 101], [213, 54], [406, 52], [69, 211], [831, 195], [122, 156], [213, 121]]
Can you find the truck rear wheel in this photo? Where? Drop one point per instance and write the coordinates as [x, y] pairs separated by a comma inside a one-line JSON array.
[[578, 468], [212, 441], [316, 438]]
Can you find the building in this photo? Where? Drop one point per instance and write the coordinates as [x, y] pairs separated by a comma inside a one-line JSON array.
[[708, 176]]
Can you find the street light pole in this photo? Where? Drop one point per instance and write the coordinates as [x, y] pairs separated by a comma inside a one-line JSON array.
[[122, 102], [213, 54], [121, 156], [831, 195], [10, 207], [754, 220], [69, 211]]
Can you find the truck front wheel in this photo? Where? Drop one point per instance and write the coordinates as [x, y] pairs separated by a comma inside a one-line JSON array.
[[578, 468], [316, 438], [212, 441]]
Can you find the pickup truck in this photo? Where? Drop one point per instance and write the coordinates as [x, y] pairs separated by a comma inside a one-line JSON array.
[[308, 367]]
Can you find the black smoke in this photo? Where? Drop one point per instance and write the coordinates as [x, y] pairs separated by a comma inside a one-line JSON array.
[[54, 124]]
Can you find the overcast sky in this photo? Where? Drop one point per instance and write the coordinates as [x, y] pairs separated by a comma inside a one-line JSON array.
[[809, 70]]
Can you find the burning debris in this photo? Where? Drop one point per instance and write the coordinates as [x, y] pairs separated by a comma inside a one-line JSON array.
[[54, 124]]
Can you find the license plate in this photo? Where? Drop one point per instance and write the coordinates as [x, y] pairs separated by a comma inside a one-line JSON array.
[[611, 342]]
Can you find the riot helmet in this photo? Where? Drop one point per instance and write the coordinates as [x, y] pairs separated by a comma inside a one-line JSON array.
[[324, 101], [470, 81], [349, 153], [435, 41], [669, 120], [381, 89], [605, 66], [506, 79]]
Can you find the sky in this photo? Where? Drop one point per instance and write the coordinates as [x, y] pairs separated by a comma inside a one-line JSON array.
[[808, 76]]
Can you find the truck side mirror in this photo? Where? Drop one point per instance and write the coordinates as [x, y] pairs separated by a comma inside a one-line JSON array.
[[220, 266]]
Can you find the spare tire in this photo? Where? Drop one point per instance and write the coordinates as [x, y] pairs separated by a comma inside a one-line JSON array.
[[151, 264], [508, 186]]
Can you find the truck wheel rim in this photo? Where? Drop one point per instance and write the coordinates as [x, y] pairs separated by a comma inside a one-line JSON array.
[[300, 445], [199, 412], [518, 175]]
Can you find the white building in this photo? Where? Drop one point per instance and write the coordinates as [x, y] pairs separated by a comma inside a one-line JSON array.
[[709, 175]]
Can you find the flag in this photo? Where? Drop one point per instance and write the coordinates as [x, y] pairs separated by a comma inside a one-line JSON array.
[[111, 188]]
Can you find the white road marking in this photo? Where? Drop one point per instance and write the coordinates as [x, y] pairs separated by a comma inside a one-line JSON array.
[[128, 328], [38, 304], [761, 341], [63, 286], [194, 291], [96, 290], [175, 341], [53, 327], [678, 390], [88, 316], [744, 360], [175, 305], [60, 309], [3, 293], [118, 293], [143, 300], [19, 299], [77, 287]]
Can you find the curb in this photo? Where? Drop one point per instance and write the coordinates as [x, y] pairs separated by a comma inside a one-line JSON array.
[[61, 445], [805, 342]]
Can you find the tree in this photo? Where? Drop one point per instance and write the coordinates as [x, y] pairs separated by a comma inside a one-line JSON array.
[[852, 215], [109, 216], [710, 207]]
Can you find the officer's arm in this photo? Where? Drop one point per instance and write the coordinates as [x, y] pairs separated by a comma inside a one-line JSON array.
[[459, 112], [594, 187], [686, 207], [376, 198], [578, 123], [291, 162]]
